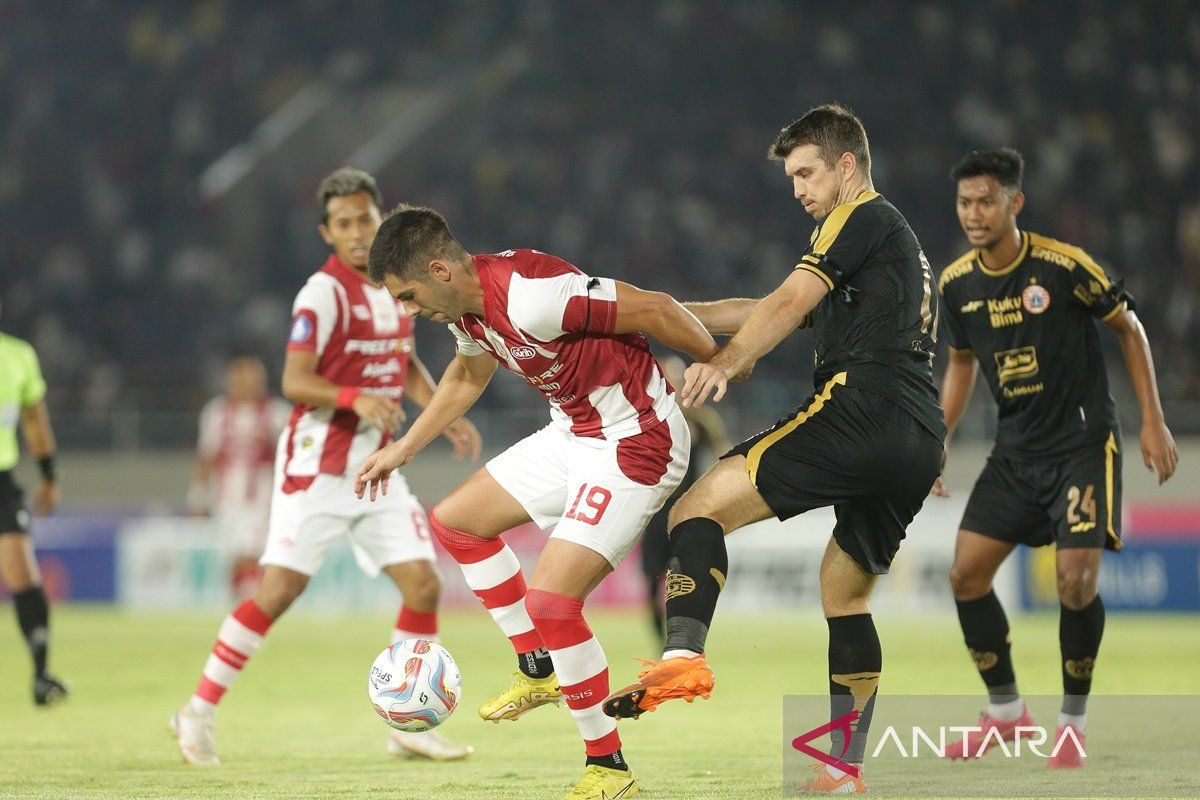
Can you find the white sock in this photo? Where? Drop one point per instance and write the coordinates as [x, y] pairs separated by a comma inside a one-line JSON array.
[[202, 706], [838, 774], [1076, 721], [678, 654], [1007, 712]]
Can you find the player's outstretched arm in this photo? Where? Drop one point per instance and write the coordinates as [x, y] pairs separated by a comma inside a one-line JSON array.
[[723, 317], [302, 384], [779, 313], [664, 319], [461, 385], [462, 433], [957, 387], [1158, 446]]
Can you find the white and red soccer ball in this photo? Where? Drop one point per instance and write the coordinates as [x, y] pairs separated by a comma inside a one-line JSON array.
[[414, 685]]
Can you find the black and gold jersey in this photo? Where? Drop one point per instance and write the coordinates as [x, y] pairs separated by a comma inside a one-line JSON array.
[[1031, 326], [879, 321]]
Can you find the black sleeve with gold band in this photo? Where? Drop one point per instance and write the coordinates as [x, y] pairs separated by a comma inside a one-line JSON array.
[[843, 241], [1089, 285]]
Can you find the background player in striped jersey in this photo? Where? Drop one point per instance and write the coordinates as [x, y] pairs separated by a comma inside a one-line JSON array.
[[616, 448], [23, 402], [350, 359], [234, 470], [1023, 307]]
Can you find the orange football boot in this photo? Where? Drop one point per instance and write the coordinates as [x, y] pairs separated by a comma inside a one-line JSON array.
[[827, 784], [684, 677], [1070, 755]]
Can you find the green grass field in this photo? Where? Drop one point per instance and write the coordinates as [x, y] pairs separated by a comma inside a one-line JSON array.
[[298, 724]]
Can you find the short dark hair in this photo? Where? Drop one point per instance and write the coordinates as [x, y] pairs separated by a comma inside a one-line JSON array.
[[1002, 163], [408, 239], [344, 183], [832, 128]]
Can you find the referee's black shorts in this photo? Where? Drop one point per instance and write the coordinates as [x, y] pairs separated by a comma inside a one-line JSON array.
[[13, 516], [856, 451]]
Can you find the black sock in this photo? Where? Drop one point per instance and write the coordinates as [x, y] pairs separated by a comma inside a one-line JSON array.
[[612, 761], [1079, 634], [33, 615], [855, 661], [985, 629], [696, 574], [535, 663]]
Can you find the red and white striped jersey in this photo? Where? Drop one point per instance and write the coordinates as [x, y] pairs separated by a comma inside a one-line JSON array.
[[239, 437], [362, 338], [553, 325]]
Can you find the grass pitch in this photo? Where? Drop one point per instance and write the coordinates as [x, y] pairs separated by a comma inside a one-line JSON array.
[[297, 724]]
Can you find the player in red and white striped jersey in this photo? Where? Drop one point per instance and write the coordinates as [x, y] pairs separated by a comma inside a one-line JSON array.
[[234, 459], [350, 360], [616, 448]]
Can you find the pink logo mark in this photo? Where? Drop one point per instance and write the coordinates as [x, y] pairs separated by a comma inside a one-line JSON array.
[[843, 723]]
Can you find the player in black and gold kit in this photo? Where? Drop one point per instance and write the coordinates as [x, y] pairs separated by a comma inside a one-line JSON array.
[[868, 442], [1022, 307]]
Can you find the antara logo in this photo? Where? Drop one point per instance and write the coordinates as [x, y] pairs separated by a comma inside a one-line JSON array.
[[845, 724], [1032, 738]]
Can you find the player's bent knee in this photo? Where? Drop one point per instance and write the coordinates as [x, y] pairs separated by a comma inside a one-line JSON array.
[[278, 589], [685, 508], [967, 584], [426, 589], [1076, 588]]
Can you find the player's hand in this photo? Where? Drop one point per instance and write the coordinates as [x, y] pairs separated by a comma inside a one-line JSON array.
[[701, 380], [385, 414], [939, 485], [45, 499], [1158, 450], [377, 469], [465, 438]]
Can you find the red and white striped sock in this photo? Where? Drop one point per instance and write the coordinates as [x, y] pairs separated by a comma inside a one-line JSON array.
[[239, 638], [580, 664], [412, 624], [493, 572]]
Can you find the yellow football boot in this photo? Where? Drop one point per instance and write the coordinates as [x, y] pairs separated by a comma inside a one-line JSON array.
[[602, 783], [524, 694]]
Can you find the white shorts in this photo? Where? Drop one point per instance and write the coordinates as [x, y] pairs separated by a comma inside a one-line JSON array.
[[597, 493], [389, 531]]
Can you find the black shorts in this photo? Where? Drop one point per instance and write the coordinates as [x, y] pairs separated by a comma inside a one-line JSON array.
[[13, 516], [856, 451], [1072, 500]]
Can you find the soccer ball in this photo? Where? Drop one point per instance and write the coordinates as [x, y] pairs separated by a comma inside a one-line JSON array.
[[414, 685]]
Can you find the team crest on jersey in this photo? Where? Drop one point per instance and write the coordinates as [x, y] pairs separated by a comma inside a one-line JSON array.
[[1035, 298], [301, 330]]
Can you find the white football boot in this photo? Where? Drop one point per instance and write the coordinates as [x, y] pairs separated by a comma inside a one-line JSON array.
[[196, 735], [429, 745]]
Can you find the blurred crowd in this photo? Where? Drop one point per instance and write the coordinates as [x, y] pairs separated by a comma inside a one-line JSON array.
[[632, 141]]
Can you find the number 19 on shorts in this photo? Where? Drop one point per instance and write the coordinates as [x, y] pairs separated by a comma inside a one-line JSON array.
[[595, 500]]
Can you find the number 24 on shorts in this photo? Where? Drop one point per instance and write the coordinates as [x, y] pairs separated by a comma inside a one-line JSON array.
[[596, 498]]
